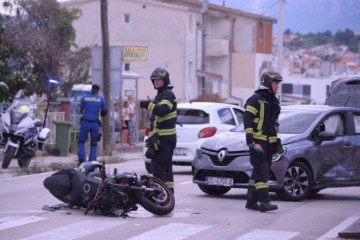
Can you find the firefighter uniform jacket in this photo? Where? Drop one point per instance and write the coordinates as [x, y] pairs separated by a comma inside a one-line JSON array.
[[163, 114], [261, 116]]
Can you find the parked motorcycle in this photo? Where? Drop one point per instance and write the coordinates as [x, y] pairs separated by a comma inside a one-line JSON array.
[[21, 133], [90, 187]]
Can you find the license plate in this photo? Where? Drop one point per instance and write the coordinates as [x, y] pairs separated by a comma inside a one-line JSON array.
[[180, 151], [220, 181]]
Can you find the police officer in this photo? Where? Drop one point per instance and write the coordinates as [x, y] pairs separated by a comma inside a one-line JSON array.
[[162, 124], [262, 110], [92, 106]]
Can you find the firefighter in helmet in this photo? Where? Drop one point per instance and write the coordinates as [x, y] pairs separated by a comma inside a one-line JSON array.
[[162, 139], [261, 124]]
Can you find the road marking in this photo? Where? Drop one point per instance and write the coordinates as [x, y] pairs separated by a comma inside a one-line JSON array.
[[260, 234], [183, 183], [76, 230], [10, 222], [173, 231], [333, 233], [142, 213]]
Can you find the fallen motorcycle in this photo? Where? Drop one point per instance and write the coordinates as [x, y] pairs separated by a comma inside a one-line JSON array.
[[90, 187]]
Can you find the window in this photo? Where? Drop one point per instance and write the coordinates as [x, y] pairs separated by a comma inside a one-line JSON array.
[[357, 124], [126, 18], [239, 115], [334, 124], [127, 66], [192, 116], [226, 116]]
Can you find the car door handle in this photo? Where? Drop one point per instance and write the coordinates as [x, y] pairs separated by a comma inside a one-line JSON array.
[[348, 145]]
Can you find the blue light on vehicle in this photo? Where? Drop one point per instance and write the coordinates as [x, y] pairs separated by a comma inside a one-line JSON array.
[[53, 81]]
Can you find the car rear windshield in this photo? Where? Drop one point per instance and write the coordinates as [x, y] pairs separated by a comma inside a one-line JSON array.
[[347, 87], [192, 116]]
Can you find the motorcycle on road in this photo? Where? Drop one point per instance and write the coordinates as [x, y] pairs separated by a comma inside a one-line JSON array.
[[91, 188], [21, 133]]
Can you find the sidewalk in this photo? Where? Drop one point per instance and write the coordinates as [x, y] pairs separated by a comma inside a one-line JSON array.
[[45, 163]]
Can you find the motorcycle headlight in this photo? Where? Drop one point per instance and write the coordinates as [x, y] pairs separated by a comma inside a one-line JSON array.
[[277, 156]]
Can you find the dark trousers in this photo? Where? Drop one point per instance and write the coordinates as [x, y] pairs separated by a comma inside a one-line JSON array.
[[161, 163], [261, 166]]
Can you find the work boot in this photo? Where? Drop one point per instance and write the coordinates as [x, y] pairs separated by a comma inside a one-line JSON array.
[[251, 202], [80, 162], [267, 206]]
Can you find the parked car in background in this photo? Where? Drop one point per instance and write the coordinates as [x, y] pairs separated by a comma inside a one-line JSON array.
[[196, 122], [321, 150], [345, 92]]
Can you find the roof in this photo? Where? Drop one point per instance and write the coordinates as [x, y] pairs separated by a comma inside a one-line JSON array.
[[202, 105]]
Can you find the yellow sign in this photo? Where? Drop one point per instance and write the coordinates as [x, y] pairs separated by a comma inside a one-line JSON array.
[[136, 53]]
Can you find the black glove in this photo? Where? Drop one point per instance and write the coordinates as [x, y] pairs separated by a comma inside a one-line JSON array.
[[144, 104], [278, 147], [150, 142], [150, 152]]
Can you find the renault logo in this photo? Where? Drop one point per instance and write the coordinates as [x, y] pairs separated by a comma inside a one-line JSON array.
[[221, 155]]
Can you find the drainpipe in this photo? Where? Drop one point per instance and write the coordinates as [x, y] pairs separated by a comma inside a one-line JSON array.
[[241, 101]]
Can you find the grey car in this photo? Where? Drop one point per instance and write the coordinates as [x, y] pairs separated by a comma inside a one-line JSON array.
[[345, 92], [322, 150]]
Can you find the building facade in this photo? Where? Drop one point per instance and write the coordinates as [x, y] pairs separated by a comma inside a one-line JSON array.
[[237, 44]]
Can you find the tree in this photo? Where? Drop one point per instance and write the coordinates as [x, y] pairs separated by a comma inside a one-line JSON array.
[[42, 41]]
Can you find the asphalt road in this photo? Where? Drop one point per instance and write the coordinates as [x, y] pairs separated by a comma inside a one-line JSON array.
[[196, 215]]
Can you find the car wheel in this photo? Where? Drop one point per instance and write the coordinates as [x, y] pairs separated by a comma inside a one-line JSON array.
[[298, 183], [148, 167], [214, 190]]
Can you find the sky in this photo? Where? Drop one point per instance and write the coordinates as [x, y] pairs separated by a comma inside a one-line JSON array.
[[305, 16]]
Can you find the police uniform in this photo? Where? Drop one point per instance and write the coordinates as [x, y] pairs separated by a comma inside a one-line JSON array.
[[262, 110], [92, 107], [163, 124]]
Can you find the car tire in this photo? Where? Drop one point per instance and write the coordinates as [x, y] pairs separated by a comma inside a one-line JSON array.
[[298, 183], [148, 167], [214, 190]]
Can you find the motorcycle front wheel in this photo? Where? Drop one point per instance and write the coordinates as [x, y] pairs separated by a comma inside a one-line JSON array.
[[8, 155], [159, 202], [24, 162]]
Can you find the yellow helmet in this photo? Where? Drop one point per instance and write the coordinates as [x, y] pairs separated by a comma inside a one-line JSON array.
[[24, 109]]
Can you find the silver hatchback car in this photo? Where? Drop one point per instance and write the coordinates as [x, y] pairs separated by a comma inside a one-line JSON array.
[[196, 122], [322, 150]]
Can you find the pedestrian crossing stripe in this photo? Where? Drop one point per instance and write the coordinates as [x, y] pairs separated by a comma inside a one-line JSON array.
[[260, 234], [10, 222], [76, 230], [173, 231]]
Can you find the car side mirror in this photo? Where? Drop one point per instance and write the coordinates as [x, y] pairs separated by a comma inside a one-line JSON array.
[[325, 136]]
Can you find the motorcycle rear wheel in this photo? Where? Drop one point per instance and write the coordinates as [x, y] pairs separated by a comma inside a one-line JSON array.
[[8, 155], [161, 203]]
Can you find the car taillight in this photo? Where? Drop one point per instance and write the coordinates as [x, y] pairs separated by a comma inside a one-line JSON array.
[[147, 132], [207, 132]]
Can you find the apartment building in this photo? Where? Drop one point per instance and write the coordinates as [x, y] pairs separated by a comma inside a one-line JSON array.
[[238, 45]]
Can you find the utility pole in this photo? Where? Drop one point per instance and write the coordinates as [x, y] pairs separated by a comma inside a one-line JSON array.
[[205, 7], [280, 37], [106, 76]]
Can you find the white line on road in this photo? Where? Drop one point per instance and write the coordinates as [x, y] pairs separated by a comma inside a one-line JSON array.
[[333, 233], [10, 222], [260, 234], [173, 231], [76, 230], [183, 183]]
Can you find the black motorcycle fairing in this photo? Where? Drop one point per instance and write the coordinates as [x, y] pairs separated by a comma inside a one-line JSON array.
[[66, 186]]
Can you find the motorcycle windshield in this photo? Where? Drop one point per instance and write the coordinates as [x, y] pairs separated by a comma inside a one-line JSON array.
[[16, 116]]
